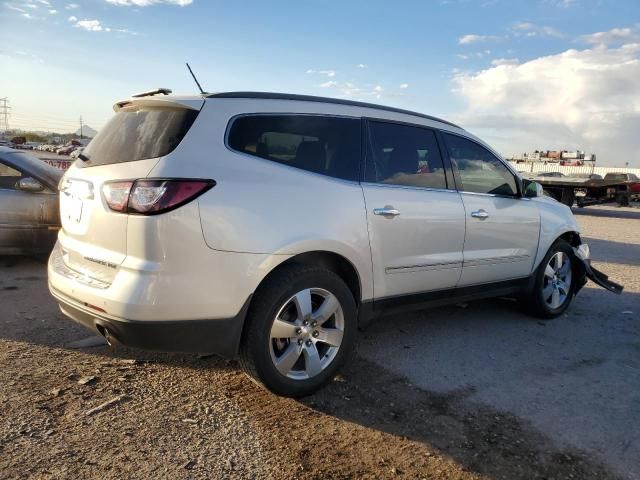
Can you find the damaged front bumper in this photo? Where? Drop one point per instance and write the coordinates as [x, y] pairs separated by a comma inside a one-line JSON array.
[[583, 254]]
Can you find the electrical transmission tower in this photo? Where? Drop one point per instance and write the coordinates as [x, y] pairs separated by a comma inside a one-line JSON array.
[[4, 113]]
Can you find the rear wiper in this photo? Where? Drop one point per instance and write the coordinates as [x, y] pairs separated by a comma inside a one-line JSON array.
[[83, 157]]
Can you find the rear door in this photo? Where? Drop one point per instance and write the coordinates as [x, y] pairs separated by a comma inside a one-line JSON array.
[[94, 238], [502, 228], [415, 217]]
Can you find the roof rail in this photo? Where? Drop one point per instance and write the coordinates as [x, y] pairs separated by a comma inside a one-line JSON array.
[[155, 91], [312, 98]]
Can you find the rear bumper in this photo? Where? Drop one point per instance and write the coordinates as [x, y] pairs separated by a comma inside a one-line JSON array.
[[219, 336]]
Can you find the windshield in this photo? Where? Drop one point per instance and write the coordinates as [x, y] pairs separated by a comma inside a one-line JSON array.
[[137, 135]]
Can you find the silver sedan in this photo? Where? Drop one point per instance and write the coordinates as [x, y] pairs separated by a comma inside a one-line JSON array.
[[29, 212]]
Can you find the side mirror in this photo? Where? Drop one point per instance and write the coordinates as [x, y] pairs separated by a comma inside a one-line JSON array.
[[28, 184], [532, 189]]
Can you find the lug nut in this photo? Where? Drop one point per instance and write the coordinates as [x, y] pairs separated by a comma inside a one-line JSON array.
[[305, 323], [309, 343], [300, 342], [314, 324], [298, 331], [316, 333]]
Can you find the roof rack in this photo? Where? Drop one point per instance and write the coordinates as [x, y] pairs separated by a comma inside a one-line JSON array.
[[313, 98], [150, 93]]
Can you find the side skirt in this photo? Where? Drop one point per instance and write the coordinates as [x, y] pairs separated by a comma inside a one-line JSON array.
[[372, 309]]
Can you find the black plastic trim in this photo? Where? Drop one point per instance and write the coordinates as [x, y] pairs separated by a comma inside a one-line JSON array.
[[370, 309]]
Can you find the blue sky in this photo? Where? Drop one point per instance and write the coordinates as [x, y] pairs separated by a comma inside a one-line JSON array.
[[474, 62]]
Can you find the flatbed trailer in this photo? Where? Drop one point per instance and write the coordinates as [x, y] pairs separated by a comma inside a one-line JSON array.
[[584, 191]]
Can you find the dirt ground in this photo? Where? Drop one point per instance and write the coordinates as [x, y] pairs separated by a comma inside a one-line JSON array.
[[462, 392]]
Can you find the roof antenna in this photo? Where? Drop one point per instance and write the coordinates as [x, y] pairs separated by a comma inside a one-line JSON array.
[[196, 80]]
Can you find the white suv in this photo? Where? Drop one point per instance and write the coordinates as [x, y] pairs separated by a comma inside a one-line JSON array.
[[272, 226]]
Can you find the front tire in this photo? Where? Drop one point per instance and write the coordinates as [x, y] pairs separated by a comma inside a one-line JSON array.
[[300, 330], [554, 282]]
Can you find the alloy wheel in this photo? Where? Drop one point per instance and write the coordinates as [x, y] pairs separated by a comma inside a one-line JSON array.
[[556, 285], [306, 333]]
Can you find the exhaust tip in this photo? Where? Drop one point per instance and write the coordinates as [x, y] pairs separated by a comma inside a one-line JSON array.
[[108, 336]]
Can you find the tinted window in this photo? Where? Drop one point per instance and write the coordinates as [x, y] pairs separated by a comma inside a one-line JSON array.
[[480, 171], [137, 135], [405, 155], [8, 177], [327, 145]]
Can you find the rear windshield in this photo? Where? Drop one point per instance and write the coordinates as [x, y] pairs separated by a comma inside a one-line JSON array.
[[138, 135]]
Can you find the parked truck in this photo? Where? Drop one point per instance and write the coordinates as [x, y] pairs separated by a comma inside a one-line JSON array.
[[620, 188]]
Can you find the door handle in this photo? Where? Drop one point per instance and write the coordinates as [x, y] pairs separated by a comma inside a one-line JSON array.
[[480, 214], [386, 212]]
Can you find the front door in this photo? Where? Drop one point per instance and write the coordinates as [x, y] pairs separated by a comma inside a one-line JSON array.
[[502, 228], [416, 220], [24, 227]]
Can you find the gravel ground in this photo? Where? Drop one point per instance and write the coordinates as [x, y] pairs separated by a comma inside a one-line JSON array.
[[465, 392]]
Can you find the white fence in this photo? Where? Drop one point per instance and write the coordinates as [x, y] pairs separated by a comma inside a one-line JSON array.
[[554, 167]]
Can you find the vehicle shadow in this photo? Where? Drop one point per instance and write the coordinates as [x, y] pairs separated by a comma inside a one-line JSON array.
[[610, 251], [626, 213], [505, 395]]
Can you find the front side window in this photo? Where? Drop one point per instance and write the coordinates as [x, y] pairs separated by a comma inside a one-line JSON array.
[[404, 155], [8, 177], [480, 171], [326, 145]]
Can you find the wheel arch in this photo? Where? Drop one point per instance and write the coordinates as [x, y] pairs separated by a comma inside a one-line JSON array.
[[333, 261]]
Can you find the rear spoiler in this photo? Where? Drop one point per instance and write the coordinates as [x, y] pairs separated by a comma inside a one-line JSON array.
[[191, 103]]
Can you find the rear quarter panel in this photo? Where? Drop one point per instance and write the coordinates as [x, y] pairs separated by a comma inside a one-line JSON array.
[[262, 207]]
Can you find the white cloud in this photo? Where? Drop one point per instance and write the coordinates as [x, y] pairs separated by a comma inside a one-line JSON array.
[[562, 3], [147, 3], [613, 36], [15, 8], [472, 38], [329, 84], [89, 25], [404, 86], [529, 29], [72, 6], [53, 11], [73, 18], [362, 65], [378, 88], [504, 61], [328, 73], [587, 99]]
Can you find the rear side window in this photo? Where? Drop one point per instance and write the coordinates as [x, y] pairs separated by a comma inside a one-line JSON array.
[[326, 145], [480, 171], [138, 135], [404, 155]]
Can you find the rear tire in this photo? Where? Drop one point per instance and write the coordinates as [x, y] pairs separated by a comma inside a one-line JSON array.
[[300, 330], [554, 283]]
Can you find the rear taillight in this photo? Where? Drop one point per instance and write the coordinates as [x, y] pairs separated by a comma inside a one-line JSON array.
[[152, 196]]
